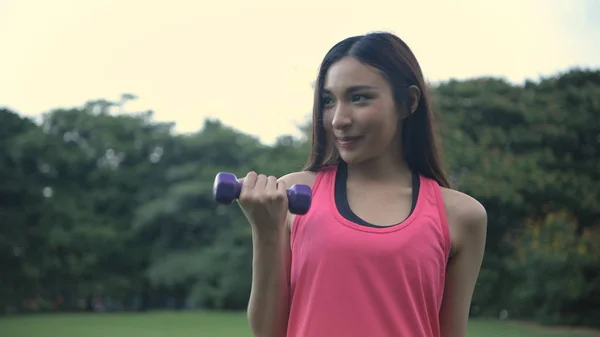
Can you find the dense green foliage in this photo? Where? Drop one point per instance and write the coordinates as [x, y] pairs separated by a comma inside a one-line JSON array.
[[119, 207]]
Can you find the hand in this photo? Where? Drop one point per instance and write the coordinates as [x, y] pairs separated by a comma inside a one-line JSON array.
[[264, 201]]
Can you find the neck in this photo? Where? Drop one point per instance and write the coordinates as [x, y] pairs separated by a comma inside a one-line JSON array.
[[381, 170]]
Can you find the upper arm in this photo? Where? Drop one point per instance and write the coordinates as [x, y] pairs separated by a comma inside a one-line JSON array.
[[467, 219]]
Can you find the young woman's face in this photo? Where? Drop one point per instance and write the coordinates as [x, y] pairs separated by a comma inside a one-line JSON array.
[[359, 112]]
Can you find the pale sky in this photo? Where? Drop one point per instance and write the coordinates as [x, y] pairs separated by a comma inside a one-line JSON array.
[[251, 63]]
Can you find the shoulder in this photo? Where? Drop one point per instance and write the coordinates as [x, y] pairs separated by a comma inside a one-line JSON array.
[[467, 218], [464, 207], [301, 177]]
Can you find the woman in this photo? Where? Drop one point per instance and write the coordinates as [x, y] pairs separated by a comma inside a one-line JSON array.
[[387, 248]]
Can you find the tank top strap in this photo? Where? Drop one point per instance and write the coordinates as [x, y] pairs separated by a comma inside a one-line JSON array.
[[324, 182], [432, 204]]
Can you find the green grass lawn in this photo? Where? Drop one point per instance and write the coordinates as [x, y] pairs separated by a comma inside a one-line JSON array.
[[199, 324]]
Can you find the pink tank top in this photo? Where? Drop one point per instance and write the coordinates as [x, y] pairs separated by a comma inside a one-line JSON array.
[[351, 280]]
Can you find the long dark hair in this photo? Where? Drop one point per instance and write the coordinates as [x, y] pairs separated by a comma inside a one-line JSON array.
[[392, 56]]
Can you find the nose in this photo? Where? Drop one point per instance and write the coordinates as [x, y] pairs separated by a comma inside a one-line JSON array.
[[341, 117]]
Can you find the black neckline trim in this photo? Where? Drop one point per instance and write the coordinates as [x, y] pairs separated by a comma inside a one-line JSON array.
[[341, 197]]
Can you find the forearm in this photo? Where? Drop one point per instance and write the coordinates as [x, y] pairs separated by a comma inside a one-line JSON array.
[[268, 307]]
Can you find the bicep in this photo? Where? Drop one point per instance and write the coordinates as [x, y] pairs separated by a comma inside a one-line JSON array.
[[461, 275]]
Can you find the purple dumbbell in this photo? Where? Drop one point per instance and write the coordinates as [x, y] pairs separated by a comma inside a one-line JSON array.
[[227, 188]]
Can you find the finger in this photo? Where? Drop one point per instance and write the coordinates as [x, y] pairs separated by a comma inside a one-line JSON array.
[[261, 182], [281, 187], [271, 184], [247, 186], [248, 182]]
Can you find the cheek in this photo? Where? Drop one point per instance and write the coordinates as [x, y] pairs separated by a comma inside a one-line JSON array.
[[327, 119], [327, 116], [382, 125], [380, 117]]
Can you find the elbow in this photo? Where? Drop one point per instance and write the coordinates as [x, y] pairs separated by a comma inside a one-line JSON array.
[[264, 328], [257, 328]]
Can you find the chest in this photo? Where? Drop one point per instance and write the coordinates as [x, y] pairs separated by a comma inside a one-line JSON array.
[[415, 247], [381, 206]]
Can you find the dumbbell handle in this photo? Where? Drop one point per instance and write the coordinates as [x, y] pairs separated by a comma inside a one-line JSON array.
[[227, 188], [238, 191]]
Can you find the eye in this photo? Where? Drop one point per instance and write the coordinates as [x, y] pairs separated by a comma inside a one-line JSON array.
[[327, 101], [357, 98]]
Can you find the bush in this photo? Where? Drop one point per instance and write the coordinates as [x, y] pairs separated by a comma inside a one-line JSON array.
[[553, 271]]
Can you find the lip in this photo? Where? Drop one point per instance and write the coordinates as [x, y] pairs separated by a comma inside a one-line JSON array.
[[346, 142]]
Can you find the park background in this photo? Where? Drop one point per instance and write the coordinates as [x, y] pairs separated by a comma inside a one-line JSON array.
[[116, 116]]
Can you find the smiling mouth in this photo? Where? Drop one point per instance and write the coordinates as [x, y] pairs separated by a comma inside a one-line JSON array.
[[347, 141]]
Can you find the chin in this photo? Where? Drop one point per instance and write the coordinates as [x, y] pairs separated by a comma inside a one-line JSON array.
[[352, 157]]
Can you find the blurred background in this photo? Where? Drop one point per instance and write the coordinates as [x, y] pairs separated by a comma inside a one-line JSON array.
[[116, 116]]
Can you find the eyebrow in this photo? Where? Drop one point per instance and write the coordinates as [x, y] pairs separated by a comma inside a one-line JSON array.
[[352, 89]]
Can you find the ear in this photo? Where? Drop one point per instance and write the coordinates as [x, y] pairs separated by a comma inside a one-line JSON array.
[[414, 97]]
